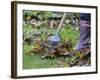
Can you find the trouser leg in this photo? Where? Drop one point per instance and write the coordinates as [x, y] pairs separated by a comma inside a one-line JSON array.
[[85, 35]]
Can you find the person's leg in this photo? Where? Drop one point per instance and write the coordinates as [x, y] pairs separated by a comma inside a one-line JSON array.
[[85, 34]]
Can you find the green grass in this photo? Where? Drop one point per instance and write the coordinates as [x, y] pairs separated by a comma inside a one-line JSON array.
[[70, 34], [35, 61]]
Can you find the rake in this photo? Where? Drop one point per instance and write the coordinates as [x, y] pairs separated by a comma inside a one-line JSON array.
[[55, 39]]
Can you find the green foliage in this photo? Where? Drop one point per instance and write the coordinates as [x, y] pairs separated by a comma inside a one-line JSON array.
[[35, 61], [47, 14], [69, 34], [30, 32], [39, 14]]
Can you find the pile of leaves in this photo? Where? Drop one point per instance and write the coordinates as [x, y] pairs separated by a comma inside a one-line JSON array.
[[69, 57]]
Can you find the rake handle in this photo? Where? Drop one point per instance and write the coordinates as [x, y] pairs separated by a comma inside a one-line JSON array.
[[61, 23]]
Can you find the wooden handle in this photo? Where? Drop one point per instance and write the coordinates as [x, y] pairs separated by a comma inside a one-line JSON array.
[[61, 23]]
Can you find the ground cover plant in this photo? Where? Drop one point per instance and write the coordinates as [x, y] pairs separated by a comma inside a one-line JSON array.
[[38, 51]]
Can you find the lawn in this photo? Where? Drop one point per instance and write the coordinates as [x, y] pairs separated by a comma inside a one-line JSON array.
[[34, 61]]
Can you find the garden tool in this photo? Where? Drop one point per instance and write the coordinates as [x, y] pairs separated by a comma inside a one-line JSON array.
[[55, 39]]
